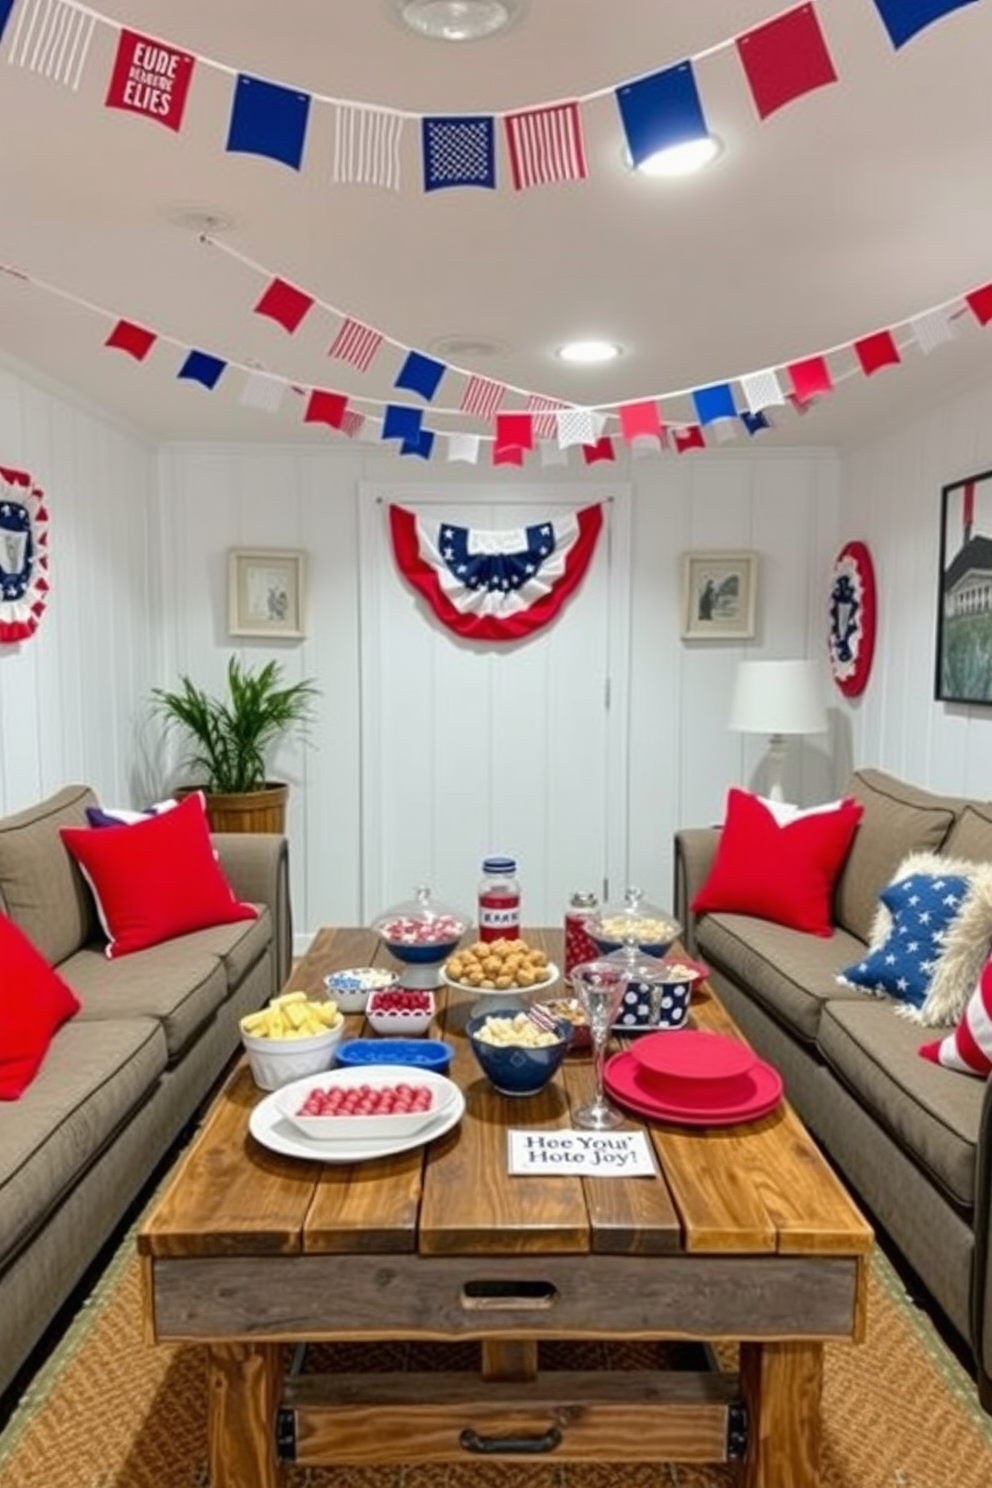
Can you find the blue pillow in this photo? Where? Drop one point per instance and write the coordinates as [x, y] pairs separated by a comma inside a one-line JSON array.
[[923, 907], [112, 816]]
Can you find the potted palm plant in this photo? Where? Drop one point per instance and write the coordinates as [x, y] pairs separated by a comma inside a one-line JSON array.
[[229, 737]]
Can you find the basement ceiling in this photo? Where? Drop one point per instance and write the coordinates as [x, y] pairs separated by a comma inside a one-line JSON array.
[[854, 208]]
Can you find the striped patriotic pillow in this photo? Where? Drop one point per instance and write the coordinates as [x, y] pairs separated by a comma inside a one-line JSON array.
[[969, 1048]]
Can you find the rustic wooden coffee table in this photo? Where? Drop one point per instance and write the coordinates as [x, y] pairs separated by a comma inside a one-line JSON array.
[[746, 1236]]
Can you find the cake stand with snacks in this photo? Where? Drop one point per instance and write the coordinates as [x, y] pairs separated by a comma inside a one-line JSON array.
[[651, 929], [421, 933]]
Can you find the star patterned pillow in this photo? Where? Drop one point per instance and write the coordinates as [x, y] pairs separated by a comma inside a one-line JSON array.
[[923, 908]]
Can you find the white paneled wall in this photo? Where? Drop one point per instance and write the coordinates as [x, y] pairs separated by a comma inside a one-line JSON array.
[[892, 501], [70, 696]]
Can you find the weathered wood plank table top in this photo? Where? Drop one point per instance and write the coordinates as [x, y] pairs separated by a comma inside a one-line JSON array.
[[745, 1234]]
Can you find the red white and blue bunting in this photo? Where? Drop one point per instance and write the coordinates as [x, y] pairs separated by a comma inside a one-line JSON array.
[[494, 586], [23, 555]]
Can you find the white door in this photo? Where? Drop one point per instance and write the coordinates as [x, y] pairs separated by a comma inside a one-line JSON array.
[[514, 748]]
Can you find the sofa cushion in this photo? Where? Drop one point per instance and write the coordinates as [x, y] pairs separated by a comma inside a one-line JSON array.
[[41, 889], [969, 1048], [237, 946], [156, 879], [180, 983], [34, 1003], [95, 1075], [782, 872], [789, 974], [971, 834], [931, 1112], [897, 819]]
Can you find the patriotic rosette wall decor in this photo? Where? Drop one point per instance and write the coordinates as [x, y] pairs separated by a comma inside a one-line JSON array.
[[851, 634], [495, 586], [23, 555]]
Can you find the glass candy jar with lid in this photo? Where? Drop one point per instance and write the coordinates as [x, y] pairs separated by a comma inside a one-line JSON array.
[[655, 996], [649, 927], [421, 932]]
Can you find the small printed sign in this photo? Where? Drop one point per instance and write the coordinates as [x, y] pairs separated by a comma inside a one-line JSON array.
[[583, 1154]]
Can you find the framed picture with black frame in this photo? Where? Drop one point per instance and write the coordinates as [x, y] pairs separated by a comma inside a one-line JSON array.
[[963, 671]]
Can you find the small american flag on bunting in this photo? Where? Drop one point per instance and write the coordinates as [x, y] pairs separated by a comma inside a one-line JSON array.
[[544, 410], [53, 39], [352, 422], [545, 144], [355, 344], [482, 397], [367, 146]]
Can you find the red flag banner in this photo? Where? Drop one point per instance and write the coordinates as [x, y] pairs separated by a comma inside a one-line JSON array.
[[545, 144], [326, 408], [495, 586], [601, 450], [873, 352], [134, 339], [690, 438], [285, 304], [785, 58], [640, 418], [810, 378], [979, 302], [151, 78]]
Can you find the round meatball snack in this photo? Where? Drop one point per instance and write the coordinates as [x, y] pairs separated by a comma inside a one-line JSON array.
[[499, 965]]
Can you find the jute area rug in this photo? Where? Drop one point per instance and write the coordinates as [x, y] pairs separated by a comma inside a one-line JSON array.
[[108, 1411]]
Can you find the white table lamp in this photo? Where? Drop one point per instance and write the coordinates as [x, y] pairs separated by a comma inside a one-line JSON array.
[[777, 698]]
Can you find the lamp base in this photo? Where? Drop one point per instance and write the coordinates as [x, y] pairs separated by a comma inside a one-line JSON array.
[[776, 766]]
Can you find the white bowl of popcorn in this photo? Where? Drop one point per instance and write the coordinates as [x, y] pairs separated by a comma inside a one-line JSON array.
[[293, 1036]]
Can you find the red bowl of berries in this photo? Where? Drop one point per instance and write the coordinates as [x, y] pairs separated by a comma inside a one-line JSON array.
[[400, 1011], [358, 1104]]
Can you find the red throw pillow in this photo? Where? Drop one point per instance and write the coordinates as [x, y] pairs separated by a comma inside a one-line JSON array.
[[156, 879], [780, 873], [969, 1048], [34, 1002]]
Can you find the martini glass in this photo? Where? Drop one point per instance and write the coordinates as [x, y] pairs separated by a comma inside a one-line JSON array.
[[599, 986]]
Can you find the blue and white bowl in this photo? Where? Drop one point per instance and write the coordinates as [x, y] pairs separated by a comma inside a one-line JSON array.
[[517, 1069], [635, 1015], [351, 988]]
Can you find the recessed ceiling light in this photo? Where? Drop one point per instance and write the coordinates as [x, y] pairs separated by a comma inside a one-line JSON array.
[[588, 351], [457, 20], [683, 159], [452, 348], [196, 219]]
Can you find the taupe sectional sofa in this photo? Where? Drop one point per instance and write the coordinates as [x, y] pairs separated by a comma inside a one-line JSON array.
[[127, 1073], [913, 1139]]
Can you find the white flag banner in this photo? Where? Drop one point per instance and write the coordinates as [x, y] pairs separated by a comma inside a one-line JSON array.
[[932, 329], [579, 426], [724, 430], [53, 39], [552, 453], [263, 391], [761, 390], [367, 146], [464, 447], [644, 446]]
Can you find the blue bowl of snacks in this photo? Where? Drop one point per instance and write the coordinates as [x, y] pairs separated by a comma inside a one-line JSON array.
[[428, 1054], [421, 930], [519, 1050]]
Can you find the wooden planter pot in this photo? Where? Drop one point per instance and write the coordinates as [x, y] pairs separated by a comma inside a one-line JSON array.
[[253, 811]]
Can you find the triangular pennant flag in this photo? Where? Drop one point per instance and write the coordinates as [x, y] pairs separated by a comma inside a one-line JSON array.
[[601, 450], [134, 339], [420, 374], [876, 351], [979, 302], [464, 447], [284, 304], [712, 403], [932, 329], [507, 454], [761, 389], [637, 419], [904, 18], [201, 367], [355, 344], [514, 431], [366, 146], [552, 453], [325, 408], [151, 78], [482, 397], [754, 423], [785, 58], [268, 120], [810, 377], [544, 410], [545, 144], [402, 422], [263, 391], [53, 39], [578, 426], [458, 152], [688, 438], [421, 446], [660, 111]]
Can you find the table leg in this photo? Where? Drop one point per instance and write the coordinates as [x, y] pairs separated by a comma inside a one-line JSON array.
[[781, 1384], [244, 1384]]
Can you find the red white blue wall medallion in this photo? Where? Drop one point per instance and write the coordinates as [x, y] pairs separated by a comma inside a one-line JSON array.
[[23, 555], [851, 632]]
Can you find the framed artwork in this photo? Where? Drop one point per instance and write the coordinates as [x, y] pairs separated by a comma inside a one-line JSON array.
[[265, 592], [719, 595], [964, 598]]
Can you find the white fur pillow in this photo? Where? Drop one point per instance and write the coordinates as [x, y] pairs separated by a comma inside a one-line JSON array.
[[966, 942]]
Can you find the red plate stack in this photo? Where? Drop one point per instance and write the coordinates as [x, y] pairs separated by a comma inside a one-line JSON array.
[[697, 1079]]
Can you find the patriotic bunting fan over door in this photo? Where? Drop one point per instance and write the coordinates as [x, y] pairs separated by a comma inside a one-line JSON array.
[[495, 586], [23, 555]]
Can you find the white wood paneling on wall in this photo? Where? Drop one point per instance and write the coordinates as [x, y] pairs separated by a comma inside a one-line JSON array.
[[69, 696], [892, 500]]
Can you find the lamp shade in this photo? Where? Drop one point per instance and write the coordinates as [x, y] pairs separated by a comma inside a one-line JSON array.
[[778, 697]]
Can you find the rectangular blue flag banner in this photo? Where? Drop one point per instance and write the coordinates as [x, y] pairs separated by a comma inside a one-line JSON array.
[[268, 120], [201, 367], [6, 6], [754, 422], [421, 374], [712, 403], [660, 111], [422, 445], [458, 152], [402, 422], [904, 18]]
